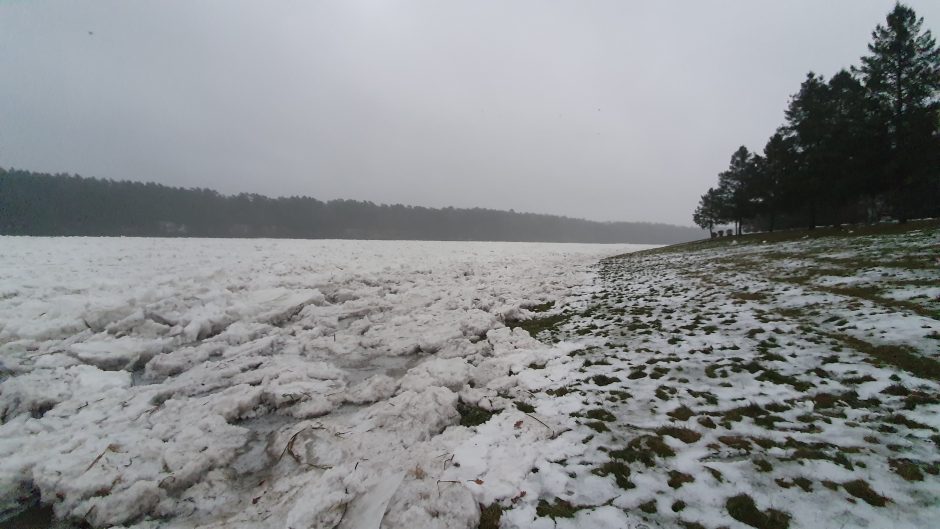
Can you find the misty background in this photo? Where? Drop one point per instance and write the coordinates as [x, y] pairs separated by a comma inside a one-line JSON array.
[[601, 110]]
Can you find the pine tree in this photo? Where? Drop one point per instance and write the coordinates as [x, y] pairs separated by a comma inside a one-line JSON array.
[[808, 121], [736, 188], [708, 212], [773, 171], [857, 146], [902, 73]]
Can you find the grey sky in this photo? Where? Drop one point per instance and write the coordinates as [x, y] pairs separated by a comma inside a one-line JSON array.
[[606, 110]]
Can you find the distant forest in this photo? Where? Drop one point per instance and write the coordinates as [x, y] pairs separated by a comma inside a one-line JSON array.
[[44, 204], [860, 147]]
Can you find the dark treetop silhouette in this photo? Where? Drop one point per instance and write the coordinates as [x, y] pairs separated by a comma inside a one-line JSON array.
[[861, 146]]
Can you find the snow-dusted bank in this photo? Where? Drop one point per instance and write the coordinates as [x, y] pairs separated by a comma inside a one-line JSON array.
[[737, 384], [260, 383]]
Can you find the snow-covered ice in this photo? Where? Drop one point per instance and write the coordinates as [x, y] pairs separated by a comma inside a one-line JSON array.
[[273, 383]]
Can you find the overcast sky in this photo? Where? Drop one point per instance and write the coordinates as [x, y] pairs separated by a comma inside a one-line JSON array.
[[605, 110]]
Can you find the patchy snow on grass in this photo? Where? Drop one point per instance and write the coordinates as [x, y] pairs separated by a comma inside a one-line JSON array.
[[727, 386], [263, 383]]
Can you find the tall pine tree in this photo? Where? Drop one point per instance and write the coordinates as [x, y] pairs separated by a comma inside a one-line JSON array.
[[902, 73], [771, 189], [808, 120], [736, 188]]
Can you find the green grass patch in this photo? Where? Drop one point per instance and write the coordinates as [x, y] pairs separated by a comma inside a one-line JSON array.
[[771, 375], [678, 479], [557, 509], [541, 307], [682, 413], [801, 482], [906, 469], [763, 465], [736, 441], [900, 356], [604, 380], [600, 414], [743, 509], [861, 489], [472, 415], [597, 426], [644, 449], [685, 435], [490, 516], [535, 326], [619, 470]]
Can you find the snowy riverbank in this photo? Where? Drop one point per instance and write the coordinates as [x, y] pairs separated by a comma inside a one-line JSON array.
[[745, 384]]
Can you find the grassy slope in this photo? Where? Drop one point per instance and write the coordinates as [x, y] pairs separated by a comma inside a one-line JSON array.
[[765, 381]]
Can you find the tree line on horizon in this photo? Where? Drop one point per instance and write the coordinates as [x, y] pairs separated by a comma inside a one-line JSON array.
[[66, 205], [862, 146]]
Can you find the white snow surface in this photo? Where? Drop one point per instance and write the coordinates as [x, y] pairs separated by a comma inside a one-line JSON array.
[[273, 383]]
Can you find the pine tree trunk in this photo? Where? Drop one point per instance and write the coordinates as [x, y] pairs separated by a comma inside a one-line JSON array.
[[900, 199]]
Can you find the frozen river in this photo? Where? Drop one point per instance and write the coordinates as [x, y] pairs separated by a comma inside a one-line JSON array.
[[259, 383]]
